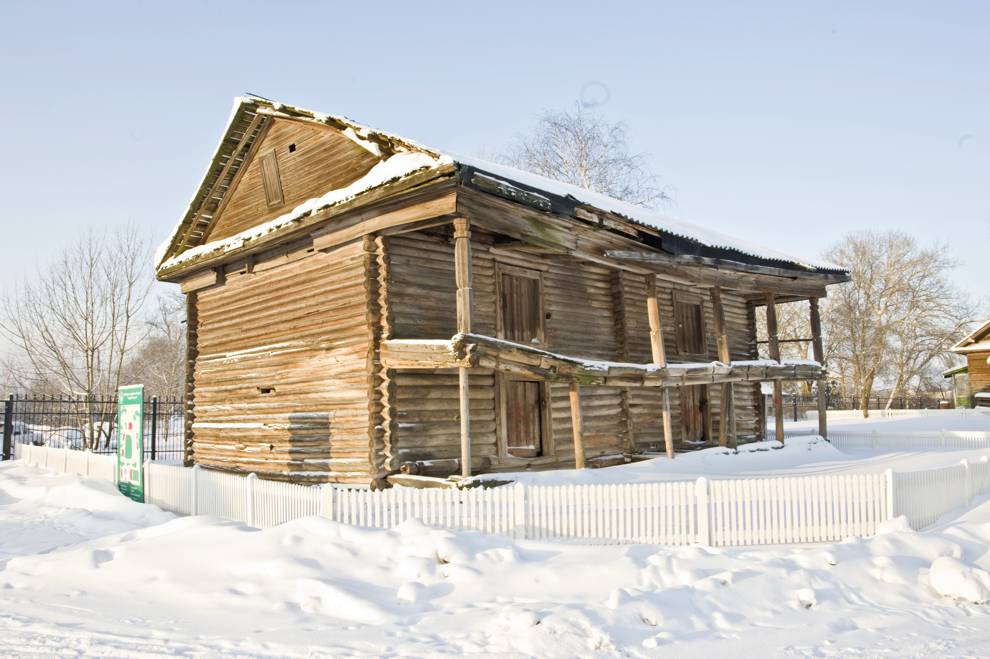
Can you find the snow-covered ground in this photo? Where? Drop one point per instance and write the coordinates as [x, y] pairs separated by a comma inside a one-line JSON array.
[[85, 571], [801, 455]]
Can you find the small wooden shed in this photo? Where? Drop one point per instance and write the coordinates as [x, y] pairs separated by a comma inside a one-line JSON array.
[[975, 347], [360, 304]]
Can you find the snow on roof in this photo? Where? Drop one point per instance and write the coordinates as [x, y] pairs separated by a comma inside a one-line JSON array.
[[639, 214], [977, 336], [373, 139]]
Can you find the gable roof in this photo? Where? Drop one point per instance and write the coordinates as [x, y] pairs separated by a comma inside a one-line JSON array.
[[978, 339], [402, 158]]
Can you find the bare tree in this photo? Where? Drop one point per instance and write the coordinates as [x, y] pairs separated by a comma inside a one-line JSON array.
[[75, 324], [794, 332], [159, 362], [585, 150], [897, 316]]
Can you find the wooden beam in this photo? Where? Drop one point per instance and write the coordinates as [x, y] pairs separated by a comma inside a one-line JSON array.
[[778, 393], [726, 264], [361, 224], [577, 425], [478, 351], [660, 359], [819, 354], [226, 168], [415, 188], [203, 279], [726, 397], [465, 302]]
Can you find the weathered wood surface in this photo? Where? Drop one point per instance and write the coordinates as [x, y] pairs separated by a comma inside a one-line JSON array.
[[726, 429], [281, 375], [774, 348], [659, 354], [476, 351], [322, 159], [465, 308], [819, 354]]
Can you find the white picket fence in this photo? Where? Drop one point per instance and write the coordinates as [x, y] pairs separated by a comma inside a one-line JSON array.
[[722, 513], [908, 441]]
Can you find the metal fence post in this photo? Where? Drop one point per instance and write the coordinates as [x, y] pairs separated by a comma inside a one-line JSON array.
[[701, 496], [8, 428], [154, 427]]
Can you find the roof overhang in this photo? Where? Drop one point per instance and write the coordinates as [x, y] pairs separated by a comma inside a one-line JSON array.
[[976, 341]]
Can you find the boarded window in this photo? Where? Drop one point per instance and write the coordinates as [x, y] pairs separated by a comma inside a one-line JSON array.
[[522, 308], [690, 318], [270, 179]]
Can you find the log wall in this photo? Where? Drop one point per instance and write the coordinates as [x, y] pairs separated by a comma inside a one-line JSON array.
[[644, 404], [281, 380], [580, 319], [979, 371]]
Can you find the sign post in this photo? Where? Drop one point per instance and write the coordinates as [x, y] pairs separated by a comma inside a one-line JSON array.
[[130, 442]]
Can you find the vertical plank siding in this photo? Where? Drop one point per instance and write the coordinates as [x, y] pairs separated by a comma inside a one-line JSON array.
[[281, 378]]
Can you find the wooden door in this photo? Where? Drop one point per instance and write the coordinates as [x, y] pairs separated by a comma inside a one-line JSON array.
[[523, 401], [523, 406], [693, 426]]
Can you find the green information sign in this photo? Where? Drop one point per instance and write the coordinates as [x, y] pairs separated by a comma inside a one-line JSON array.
[[130, 441]]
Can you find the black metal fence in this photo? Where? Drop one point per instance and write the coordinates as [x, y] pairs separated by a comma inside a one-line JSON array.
[[880, 402], [89, 424]]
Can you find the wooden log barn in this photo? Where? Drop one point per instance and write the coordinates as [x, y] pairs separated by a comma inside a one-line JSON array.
[[360, 305], [975, 347]]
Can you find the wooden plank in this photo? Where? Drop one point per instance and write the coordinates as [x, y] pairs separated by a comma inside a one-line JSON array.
[[200, 280], [726, 398], [819, 354], [660, 359], [360, 224], [465, 304], [778, 396], [661, 258], [577, 425]]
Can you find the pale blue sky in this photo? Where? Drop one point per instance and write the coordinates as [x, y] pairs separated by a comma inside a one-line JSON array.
[[785, 123]]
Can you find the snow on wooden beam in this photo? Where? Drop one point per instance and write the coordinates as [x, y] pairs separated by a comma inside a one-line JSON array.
[[477, 351]]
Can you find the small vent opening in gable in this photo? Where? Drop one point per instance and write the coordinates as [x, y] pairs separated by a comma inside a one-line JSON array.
[[292, 148], [270, 179]]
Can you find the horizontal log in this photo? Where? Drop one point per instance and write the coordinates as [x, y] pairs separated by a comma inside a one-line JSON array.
[[476, 351]]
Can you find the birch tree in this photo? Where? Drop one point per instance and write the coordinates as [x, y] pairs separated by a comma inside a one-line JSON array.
[[159, 362], [897, 316], [583, 149], [74, 325]]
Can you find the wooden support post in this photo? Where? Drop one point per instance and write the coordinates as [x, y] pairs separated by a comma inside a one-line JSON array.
[[774, 343], [726, 425], [465, 303], [660, 359], [819, 354], [577, 426]]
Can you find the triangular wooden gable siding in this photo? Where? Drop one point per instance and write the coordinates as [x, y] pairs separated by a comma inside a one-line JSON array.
[[308, 161]]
